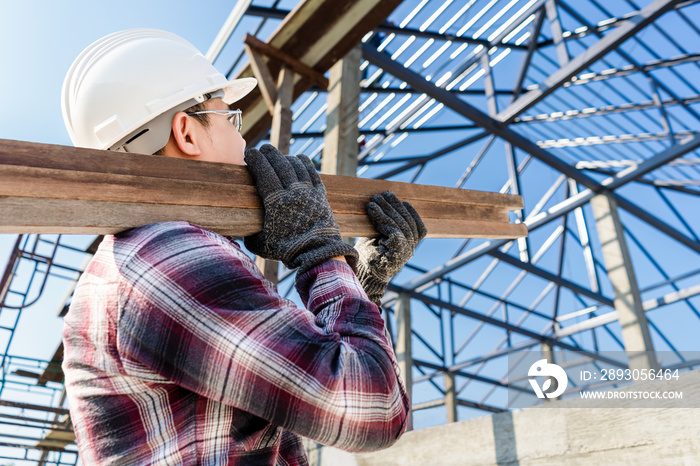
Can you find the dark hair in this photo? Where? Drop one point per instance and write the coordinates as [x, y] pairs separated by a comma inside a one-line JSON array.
[[202, 118]]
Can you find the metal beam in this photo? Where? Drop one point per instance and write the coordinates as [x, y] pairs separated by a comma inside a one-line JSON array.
[[263, 12], [530, 268], [608, 109], [473, 58], [644, 215], [408, 90], [442, 370], [584, 31], [566, 206], [434, 155], [652, 163], [495, 127], [610, 139], [422, 129], [456, 368], [498, 323], [33, 407], [527, 57], [647, 305], [555, 25], [583, 237], [625, 163], [443, 37], [629, 58], [230, 24], [611, 41], [629, 69], [498, 129], [501, 300]]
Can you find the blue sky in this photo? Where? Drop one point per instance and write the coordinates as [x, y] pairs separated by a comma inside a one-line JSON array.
[[40, 39]]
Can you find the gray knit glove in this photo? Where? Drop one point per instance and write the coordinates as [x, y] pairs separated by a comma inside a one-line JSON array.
[[400, 228], [299, 228]]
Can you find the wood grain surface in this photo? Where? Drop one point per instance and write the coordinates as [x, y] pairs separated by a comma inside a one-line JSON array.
[[59, 189]]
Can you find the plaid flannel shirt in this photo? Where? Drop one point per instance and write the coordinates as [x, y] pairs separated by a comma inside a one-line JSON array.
[[178, 351]]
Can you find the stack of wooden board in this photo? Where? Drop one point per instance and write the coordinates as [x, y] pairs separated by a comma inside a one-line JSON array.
[[58, 189]]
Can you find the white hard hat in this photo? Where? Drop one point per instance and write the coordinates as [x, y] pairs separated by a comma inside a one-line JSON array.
[[122, 92]]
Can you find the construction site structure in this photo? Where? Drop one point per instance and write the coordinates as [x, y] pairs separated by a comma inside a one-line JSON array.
[[587, 110]]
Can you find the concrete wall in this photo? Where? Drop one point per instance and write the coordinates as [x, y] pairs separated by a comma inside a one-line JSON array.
[[573, 434]]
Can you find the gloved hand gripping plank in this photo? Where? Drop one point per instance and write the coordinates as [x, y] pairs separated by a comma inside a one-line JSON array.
[[59, 189]]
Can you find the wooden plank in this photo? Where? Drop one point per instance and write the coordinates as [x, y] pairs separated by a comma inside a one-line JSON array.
[[353, 225], [80, 166], [290, 62], [64, 184], [58, 189], [70, 184], [53, 372], [20, 215], [76, 216], [337, 184], [50, 156], [266, 83], [297, 19], [84, 162]]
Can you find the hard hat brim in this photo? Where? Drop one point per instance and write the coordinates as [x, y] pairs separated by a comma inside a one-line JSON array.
[[237, 89]]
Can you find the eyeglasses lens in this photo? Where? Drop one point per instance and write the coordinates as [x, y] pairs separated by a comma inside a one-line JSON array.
[[237, 121]]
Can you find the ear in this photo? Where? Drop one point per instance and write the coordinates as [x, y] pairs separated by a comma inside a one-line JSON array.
[[186, 135]]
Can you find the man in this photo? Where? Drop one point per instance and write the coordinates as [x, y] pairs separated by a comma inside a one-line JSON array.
[[177, 350]]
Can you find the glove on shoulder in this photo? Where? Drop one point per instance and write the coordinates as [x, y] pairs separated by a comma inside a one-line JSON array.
[[299, 228], [401, 229]]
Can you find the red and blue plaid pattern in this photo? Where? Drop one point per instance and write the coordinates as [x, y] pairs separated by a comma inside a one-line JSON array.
[[178, 351]]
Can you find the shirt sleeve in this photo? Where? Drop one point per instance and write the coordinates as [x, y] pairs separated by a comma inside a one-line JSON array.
[[196, 311]]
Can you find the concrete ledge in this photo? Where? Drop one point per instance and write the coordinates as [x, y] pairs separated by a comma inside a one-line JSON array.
[[573, 433]]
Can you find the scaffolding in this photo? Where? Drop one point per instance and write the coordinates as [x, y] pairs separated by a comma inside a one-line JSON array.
[[34, 419]]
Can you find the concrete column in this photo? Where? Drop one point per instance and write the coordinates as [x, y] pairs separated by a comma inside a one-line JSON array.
[[281, 130], [269, 268], [340, 147], [628, 303], [403, 346], [548, 352], [450, 397], [340, 138]]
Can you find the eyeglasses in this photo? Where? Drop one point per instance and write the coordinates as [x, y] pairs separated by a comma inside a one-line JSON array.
[[234, 116]]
